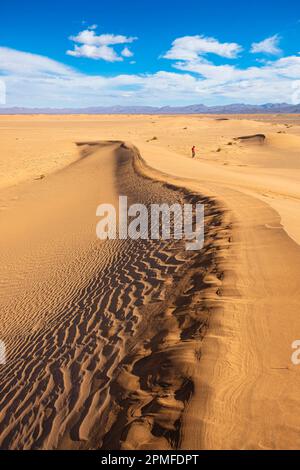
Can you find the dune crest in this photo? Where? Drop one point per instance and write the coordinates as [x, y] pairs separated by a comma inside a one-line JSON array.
[[255, 138]]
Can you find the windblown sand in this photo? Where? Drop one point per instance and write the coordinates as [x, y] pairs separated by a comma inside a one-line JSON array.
[[140, 344]]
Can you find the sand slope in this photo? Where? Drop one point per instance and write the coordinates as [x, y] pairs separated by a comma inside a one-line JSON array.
[[247, 389]]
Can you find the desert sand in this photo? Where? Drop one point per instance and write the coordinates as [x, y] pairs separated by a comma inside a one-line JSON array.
[[125, 344]]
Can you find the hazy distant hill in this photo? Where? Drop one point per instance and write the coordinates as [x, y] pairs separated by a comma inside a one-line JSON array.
[[238, 108]]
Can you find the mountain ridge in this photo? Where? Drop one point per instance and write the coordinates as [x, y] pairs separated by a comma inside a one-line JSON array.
[[237, 108]]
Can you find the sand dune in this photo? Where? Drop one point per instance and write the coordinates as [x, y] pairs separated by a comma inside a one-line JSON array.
[[135, 344], [87, 322]]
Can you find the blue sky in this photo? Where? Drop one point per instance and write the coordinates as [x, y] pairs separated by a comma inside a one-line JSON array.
[[74, 53]]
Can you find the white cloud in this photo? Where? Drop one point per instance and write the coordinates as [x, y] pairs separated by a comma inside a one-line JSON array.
[[127, 52], [95, 52], [271, 82], [90, 37], [194, 47], [267, 46], [100, 46], [27, 64]]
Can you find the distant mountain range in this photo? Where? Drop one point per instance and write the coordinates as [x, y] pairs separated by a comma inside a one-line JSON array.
[[239, 108]]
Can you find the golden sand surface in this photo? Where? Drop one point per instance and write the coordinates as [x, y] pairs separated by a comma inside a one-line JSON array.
[[123, 344]]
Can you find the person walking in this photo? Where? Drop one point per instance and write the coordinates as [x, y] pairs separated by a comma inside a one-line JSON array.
[[193, 151]]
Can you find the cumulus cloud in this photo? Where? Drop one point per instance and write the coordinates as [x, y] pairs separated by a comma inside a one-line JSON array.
[[95, 52], [126, 52], [267, 46], [193, 47], [89, 44]]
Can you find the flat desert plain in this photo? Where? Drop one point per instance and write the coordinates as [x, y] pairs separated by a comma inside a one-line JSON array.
[[141, 344]]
